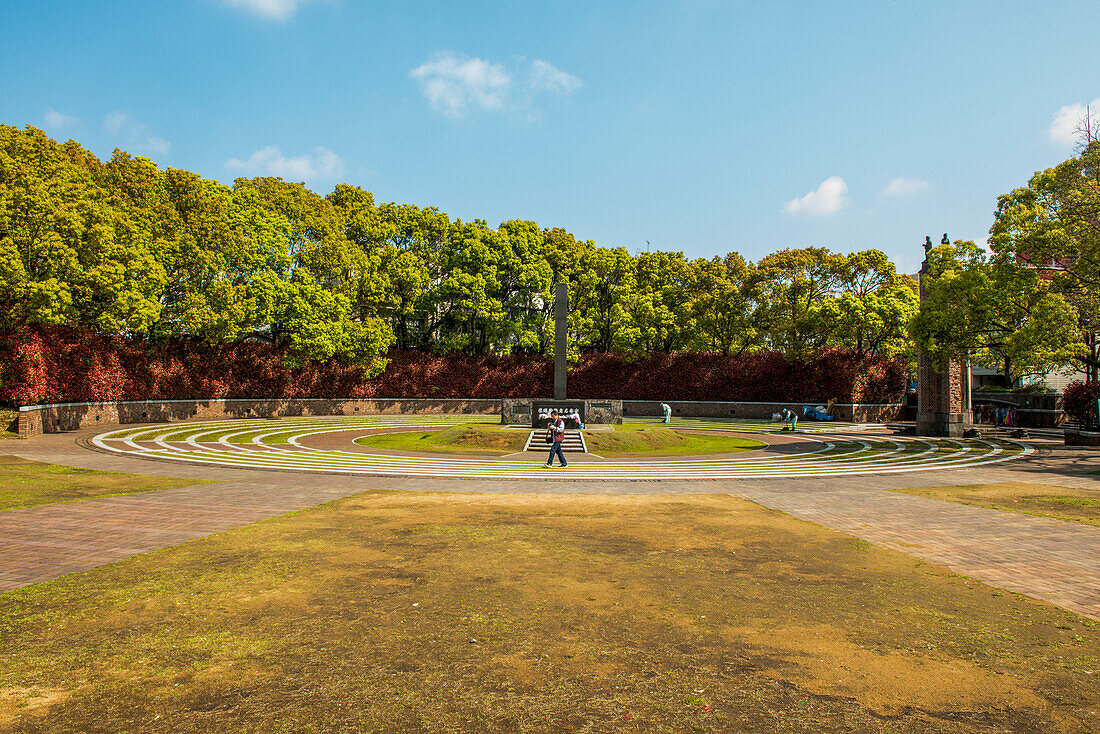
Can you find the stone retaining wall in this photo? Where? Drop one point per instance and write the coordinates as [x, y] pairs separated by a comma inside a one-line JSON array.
[[1075, 437], [854, 412], [36, 419], [518, 411]]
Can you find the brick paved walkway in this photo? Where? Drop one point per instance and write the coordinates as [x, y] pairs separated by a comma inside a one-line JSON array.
[[1046, 559]]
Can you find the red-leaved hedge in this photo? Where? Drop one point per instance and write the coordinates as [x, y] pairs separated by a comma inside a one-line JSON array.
[[1079, 400], [61, 364]]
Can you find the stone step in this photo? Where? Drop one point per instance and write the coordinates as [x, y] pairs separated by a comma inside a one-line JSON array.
[[573, 441]]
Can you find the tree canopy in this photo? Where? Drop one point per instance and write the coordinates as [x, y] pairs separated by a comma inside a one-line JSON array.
[[1052, 225], [126, 247]]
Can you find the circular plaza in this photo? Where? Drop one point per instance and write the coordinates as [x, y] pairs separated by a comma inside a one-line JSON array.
[[331, 445]]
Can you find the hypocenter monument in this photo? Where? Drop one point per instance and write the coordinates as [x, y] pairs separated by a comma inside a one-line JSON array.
[[536, 411]]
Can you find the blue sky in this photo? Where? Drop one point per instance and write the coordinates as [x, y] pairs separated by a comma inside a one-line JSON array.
[[699, 125]]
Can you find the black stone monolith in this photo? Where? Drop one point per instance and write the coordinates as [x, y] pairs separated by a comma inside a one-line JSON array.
[[561, 311]]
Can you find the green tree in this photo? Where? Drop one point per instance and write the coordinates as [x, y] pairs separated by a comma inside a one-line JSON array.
[[995, 310], [659, 308], [69, 252], [792, 286], [316, 317], [872, 309], [1053, 225], [602, 287], [722, 306]]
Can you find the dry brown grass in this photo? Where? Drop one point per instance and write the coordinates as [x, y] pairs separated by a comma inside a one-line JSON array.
[[429, 612], [26, 483], [1077, 504]]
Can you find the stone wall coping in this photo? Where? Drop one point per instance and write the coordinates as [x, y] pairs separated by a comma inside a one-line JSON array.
[[237, 400], [438, 400], [976, 393], [768, 402]]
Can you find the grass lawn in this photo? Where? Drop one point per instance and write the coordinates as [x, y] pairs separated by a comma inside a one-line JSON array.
[[435, 612], [1062, 503], [630, 439], [29, 483], [625, 440], [474, 438]]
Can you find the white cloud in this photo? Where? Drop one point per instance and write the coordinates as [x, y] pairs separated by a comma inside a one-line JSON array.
[[273, 9], [546, 76], [134, 134], [320, 165], [56, 121], [457, 85], [1063, 128], [828, 198], [454, 83], [903, 186]]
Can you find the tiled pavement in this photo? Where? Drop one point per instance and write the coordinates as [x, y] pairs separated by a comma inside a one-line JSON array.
[[1046, 559]]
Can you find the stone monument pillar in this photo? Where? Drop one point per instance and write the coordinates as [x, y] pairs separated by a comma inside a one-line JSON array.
[[561, 314], [943, 390]]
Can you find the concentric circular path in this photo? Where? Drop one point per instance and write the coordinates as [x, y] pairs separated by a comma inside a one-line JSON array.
[[822, 450]]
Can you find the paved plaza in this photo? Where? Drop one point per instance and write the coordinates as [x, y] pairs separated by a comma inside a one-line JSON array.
[[836, 479]]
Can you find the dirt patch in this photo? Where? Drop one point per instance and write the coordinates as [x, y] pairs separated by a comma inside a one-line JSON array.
[[1077, 504], [505, 613], [17, 702]]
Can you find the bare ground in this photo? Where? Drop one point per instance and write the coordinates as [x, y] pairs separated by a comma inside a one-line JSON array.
[[430, 612]]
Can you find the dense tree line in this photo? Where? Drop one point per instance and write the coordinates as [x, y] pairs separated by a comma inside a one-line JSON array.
[[127, 248]]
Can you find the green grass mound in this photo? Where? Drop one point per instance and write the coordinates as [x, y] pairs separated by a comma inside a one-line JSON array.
[[462, 439], [634, 439], [625, 440]]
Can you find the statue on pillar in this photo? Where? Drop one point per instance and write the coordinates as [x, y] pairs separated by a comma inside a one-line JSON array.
[[943, 390]]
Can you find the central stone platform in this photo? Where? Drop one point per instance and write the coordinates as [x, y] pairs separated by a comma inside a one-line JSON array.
[[535, 412]]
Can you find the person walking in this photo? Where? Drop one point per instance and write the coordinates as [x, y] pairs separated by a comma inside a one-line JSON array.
[[557, 429]]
